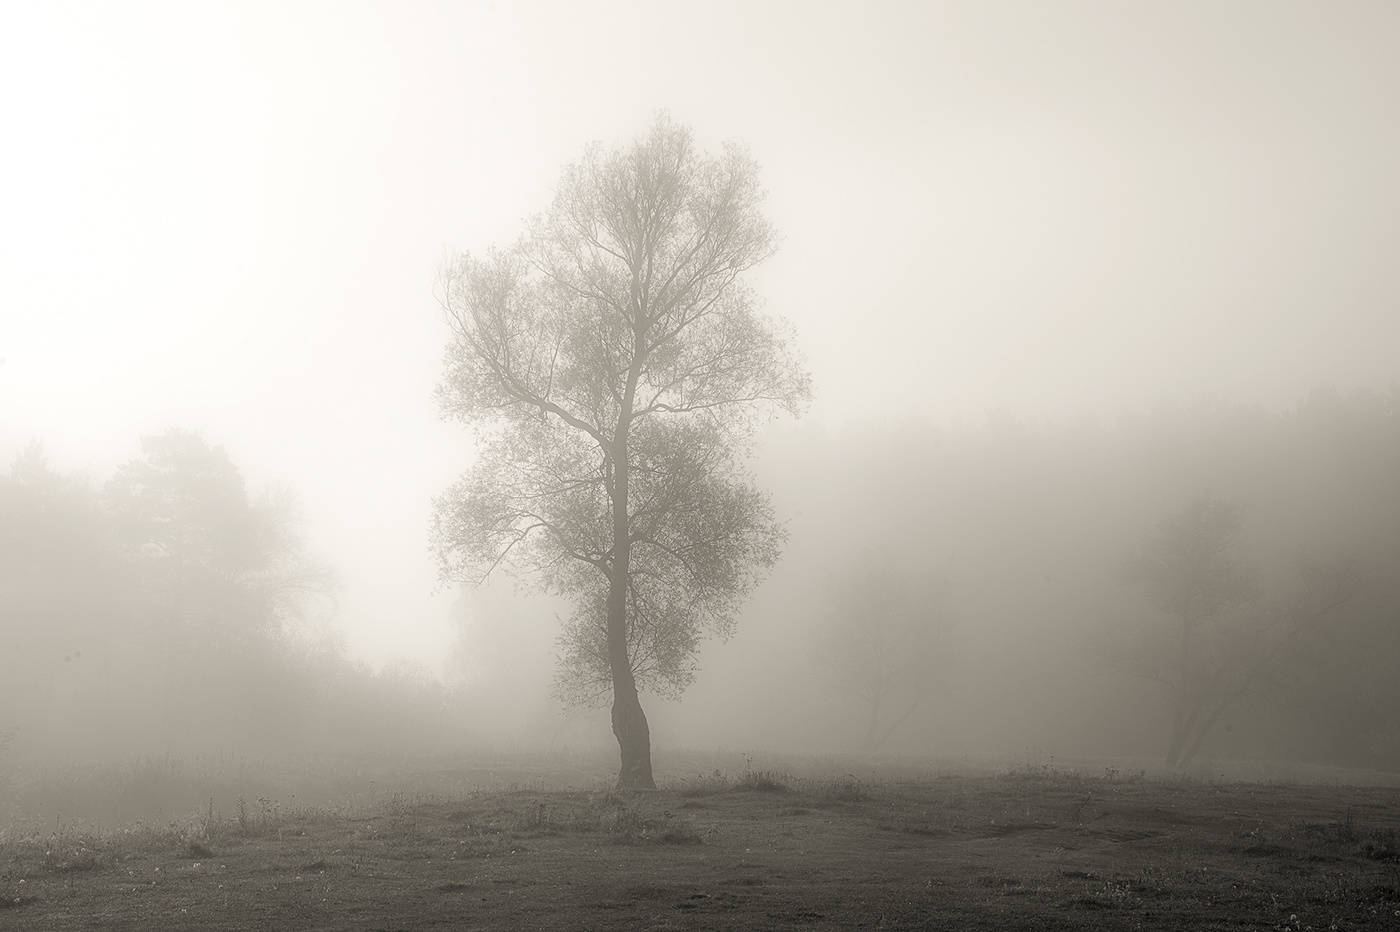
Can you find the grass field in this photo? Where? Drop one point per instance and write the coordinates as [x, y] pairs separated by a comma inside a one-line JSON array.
[[1036, 847]]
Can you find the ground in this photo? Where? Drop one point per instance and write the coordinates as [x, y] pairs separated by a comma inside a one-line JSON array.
[[1034, 847]]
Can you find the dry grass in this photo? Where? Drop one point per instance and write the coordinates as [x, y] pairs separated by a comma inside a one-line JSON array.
[[1024, 847]]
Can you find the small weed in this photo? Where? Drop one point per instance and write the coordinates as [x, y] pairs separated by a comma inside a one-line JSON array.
[[1374, 844], [536, 820], [1042, 773], [1380, 845], [629, 827], [540, 819], [1078, 807], [1346, 829], [194, 848], [1110, 895], [73, 860], [762, 781], [268, 814], [845, 789], [705, 785]]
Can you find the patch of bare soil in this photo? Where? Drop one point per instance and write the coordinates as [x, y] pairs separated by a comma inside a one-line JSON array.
[[1031, 849]]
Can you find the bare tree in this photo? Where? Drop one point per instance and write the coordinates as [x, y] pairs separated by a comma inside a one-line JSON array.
[[1214, 654], [614, 366], [1193, 573], [885, 641], [1249, 651]]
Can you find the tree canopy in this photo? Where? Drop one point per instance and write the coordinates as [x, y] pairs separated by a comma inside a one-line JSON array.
[[167, 610], [614, 365]]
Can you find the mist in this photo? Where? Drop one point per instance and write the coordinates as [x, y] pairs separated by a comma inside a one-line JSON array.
[[1027, 529], [1057, 274]]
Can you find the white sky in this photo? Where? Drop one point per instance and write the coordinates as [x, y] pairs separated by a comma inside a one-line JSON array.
[[228, 218]]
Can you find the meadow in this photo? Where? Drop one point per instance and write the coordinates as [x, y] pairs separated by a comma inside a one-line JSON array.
[[542, 842]]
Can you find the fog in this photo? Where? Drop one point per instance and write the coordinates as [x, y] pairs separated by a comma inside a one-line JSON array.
[[1057, 272]]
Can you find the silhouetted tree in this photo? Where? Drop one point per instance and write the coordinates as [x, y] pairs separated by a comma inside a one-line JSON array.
[[886, 640], [1192, 572], [1213, 657], [223, 574], [613, 364], [60, 594], [1338, 687], [1248, 652]]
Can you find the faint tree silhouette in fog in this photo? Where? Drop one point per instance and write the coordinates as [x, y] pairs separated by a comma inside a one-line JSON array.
[[60, 592], [886, 640], [1213, 652], [613, 364], [222, 575], [1192, 572], [173, 612]]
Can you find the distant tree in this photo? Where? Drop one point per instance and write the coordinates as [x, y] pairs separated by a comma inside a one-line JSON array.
[[613, 364], [183, 512], [1247, 653], [885, 641], [1340, 692], [1192, 572], [223, 575], [60, 592], [1214, 654], [183, 507]]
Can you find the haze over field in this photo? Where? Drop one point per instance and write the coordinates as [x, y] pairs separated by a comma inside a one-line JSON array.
[[229, 219]]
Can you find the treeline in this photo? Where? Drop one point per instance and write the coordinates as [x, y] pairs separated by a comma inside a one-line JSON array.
[[1047, 643], [168, 611]]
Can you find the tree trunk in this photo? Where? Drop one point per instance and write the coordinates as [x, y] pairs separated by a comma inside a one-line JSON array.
[[628, 720], [633, 739], [172, 639], [908, 711], [1195, 747], [1179, 726]]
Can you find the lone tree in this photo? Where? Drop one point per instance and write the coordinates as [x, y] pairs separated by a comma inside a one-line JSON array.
[[614, 366]]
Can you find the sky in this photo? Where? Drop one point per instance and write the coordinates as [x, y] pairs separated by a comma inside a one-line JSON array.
[[229, 218]]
